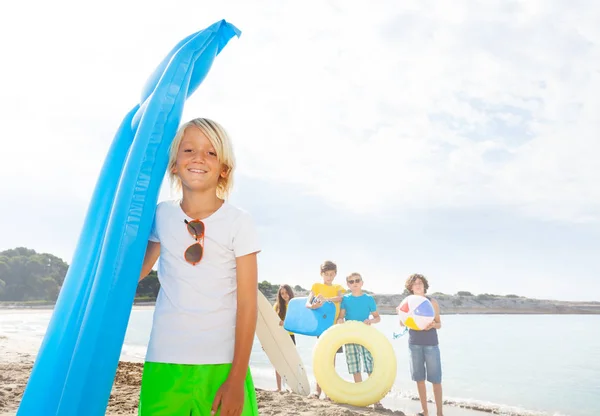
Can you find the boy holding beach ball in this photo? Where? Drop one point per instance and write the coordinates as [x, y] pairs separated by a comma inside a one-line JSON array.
[[358, 306], [425, 362]]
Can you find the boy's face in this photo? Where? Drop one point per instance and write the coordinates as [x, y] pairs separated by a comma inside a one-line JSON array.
[[328, 276], [418, 288], [354, 283], [197, 164]]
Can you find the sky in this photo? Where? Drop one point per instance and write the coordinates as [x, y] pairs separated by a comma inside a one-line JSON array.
[[454, 139]]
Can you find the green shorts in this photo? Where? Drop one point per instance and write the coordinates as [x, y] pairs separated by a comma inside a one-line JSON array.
[[187, 390]]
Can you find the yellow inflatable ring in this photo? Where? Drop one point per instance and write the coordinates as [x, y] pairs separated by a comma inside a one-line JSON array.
[[371, 390]]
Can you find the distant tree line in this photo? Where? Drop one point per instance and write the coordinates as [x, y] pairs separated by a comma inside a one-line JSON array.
[[27, 276], [270, 290]]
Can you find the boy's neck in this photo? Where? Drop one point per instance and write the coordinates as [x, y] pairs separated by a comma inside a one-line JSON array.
[[200, 205], [358, 292]]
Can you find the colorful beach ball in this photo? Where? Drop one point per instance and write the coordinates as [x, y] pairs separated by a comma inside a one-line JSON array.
[[416, 312]]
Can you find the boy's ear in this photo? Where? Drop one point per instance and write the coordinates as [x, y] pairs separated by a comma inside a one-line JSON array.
[[225, 171]]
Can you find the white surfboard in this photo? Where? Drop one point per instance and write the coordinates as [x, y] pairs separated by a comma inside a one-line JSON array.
[[280, 348]]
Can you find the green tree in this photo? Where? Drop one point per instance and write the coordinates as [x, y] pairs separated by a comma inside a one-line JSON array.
[[148, 287], [267, 288], [28, 275], [299, 288]]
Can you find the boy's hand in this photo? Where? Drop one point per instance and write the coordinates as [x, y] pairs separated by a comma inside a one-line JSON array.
[[280, 323], [430, 326], [367, 321], [340, 321], [230, 398]]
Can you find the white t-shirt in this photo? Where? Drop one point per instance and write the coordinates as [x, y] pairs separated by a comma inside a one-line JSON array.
[[194, 317]]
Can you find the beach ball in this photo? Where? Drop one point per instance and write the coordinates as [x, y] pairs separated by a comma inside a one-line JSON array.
[[416, 312]]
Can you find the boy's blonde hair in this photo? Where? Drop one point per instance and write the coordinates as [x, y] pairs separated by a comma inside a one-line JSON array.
[[354, 275], [220, 140]]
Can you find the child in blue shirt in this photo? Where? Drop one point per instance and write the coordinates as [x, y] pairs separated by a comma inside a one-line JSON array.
[[358, 306]]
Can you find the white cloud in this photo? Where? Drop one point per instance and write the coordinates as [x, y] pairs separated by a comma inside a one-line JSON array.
[[365, 135], [340, 98], [380, 107]]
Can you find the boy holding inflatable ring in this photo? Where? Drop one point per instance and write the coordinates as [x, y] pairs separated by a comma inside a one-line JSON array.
[[424, 351], [358, 306], [206, 310]]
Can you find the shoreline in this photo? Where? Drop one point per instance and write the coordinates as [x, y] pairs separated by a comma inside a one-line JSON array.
[[383, 310]]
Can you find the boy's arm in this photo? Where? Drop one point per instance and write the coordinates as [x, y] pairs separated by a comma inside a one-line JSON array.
[[245, 321], [437, 321], [376, 318], [338, 298], [152, 253], [341, 316], [230, 396], [314, 301], [309, 300], [342, 313], [373, 307]]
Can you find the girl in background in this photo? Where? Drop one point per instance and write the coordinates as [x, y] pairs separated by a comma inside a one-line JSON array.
[[284, 295]]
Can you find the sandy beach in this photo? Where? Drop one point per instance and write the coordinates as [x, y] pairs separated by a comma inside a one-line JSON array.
[[15, 367]]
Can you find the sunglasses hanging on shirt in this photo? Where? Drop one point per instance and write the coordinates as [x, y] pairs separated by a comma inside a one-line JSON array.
[[193, 254]]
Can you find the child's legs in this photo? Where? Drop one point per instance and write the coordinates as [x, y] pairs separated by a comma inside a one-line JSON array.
[[353, 359], [417, 372], [422, 389], [433, 363], [367, 359], [417, 362], [437, 394], [278, 379], [178, 389]]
